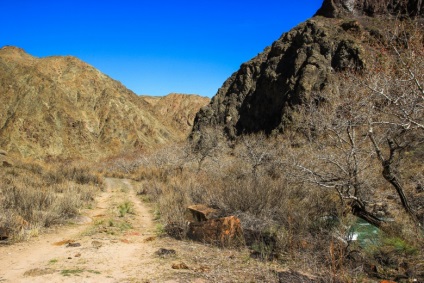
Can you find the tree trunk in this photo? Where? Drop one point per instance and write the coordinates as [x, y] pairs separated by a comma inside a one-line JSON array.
[[358, 210], [390, 177]]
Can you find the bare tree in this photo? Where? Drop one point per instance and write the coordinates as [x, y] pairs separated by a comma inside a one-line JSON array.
[[377, 117], [209, 146]]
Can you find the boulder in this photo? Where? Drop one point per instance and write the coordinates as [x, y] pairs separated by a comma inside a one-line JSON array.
[[225, 231], [201, 212]]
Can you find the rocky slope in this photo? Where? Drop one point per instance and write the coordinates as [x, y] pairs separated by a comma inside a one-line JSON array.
[[261, 94], [343, 8], [177, 110], [61, 106]]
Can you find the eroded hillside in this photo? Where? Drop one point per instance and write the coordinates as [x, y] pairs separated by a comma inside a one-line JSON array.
[[177, 110], [61, 106]]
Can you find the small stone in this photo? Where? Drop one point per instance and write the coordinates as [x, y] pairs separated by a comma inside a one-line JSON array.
[[203, 268], [96, 244], [149, 239], [77, 255], [165, 252], [180, 265], [73, 245]]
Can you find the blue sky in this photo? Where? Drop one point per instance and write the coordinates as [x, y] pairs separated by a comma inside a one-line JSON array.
[[153, 47]]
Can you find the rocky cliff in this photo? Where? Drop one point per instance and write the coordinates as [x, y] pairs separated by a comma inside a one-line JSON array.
[[260, 96], [343, 8], [61, 106]]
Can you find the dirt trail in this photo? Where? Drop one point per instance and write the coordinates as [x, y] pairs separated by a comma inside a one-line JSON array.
[[116, 245]]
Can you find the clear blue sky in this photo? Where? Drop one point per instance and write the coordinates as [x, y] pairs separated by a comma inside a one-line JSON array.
[[153, 47]]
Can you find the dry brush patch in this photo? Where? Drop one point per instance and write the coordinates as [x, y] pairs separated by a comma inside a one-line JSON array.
[[36, 196]]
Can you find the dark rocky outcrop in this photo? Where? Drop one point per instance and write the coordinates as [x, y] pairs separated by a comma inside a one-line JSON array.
[[343, 8], [261, 95]]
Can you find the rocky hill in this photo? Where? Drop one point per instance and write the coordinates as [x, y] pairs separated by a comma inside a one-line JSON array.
[[261, 95], [346, 8], [63, 107], [177, 110]]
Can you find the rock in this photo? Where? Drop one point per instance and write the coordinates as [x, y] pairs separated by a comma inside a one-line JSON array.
[[203, 268], [180, 265], [3, 152], [262, 94], [201, 212], [224, 231], [165, 252], [149, 239], [265, 93], [73, 245], [77, 255], [96, 244], [345, 8], [296, 277]]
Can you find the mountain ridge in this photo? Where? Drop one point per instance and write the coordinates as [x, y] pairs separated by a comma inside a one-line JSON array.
[[61, 106]]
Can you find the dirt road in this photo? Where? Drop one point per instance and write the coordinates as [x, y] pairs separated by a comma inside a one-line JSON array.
[[113, 242]]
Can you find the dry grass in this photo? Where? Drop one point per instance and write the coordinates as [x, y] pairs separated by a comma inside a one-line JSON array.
[[286, 219], [35, 196]]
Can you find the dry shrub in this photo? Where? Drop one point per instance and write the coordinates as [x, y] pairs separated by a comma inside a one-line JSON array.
[[284, 216], [39, 196], [279, 214]]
